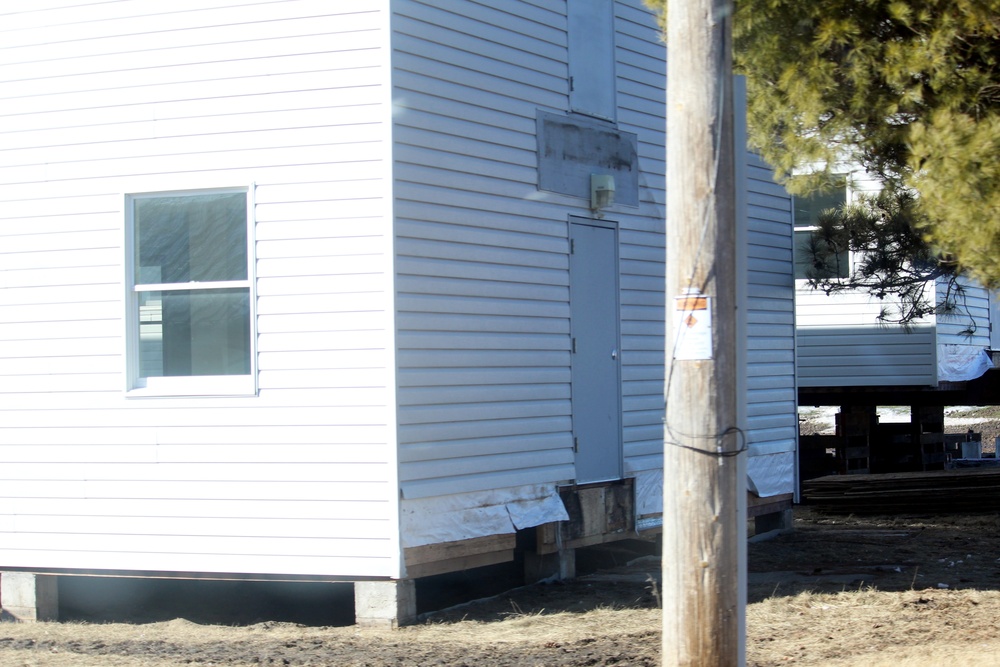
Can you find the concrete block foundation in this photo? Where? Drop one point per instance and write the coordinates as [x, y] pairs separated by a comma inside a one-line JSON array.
[[29, 597], [385, 604]]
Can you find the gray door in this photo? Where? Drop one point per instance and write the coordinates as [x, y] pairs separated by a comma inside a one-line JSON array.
[[596, 382]]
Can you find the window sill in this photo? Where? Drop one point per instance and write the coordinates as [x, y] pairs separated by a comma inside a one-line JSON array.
[[199, 385]]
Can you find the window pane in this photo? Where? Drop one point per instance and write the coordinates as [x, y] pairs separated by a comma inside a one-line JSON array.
[[808, 207], [836, 266], [191, 238], [194, 332]]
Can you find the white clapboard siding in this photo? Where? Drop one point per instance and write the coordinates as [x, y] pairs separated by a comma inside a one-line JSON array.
[[290, 100], [866, 356], [771, 424], [482, 256], [841, 343], [969, 323], [640, 70]]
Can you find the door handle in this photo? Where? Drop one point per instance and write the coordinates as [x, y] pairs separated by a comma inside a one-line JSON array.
[[614, 353]]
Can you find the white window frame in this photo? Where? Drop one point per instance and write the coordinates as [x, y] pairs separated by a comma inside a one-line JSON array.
[[848, 194], [193, 385]]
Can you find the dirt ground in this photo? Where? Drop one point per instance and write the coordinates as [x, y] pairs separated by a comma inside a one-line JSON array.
[[915, 590]]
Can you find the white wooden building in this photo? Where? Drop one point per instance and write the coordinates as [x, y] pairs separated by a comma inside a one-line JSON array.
[[848, 358], [316, 289], [841, 342]]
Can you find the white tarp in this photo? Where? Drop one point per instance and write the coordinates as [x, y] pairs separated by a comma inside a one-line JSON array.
[[959, 363], [467, 515], [648, 492], [767, 475], [771, 474]]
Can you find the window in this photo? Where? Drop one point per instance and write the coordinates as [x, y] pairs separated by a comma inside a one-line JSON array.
[[190, 306], [591, 39], [805, 215]]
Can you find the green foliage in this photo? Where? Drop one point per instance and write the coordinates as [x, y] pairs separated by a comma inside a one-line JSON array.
[[908, 89], [892, 260]]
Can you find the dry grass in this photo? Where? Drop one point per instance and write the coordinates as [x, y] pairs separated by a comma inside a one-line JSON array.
[[864, 627], [926, 628]]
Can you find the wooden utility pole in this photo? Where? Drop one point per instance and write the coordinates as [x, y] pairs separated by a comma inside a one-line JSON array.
[[703, 621]]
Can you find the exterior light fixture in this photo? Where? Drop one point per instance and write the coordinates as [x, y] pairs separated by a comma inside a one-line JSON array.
[[602, 191]]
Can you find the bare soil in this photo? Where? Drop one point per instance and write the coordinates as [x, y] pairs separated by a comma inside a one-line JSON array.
[[838, 590]]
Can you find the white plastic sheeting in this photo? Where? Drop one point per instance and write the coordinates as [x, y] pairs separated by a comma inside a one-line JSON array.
[[767, 475], [467, 515], [959, 363], [771, 474], [648, 492]]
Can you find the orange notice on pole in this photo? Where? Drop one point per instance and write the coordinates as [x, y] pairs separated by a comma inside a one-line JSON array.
[[692, 327]]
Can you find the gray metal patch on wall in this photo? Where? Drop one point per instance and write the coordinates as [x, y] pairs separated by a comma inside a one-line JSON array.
[[572, 148]]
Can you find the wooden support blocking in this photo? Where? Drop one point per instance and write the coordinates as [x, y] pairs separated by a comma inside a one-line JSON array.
[[855, 424], [556, 565], [771, 515]]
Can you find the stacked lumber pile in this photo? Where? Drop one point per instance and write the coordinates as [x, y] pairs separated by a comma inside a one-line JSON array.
[[937, 491]]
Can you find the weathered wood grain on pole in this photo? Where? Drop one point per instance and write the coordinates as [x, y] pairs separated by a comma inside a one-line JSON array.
[[702, 622]]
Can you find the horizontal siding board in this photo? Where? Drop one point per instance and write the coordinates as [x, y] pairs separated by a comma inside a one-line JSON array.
[[537, 223], [99, 473], [131, 559], [482, 323], [460, 377], [214, 490], [464, 138], [465, 167], [485, 288], [468, 252], [511, 342], [470, 483], [340, 438], [442, 432], [182, 16], [495, 90], [524, 18], [452, 304], [450, 395], [203, 544], [489, 446], [107, 120], [372, 320], [489, 465], [637, 451], [308, 285], [321, 379], [771, 440], [444, 359], [422, 19], [471, 235], [448, 45], [323, 510], [139, 97], [860, 369], [122, 152], [343, 418], [308, 304], [285, 529]]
